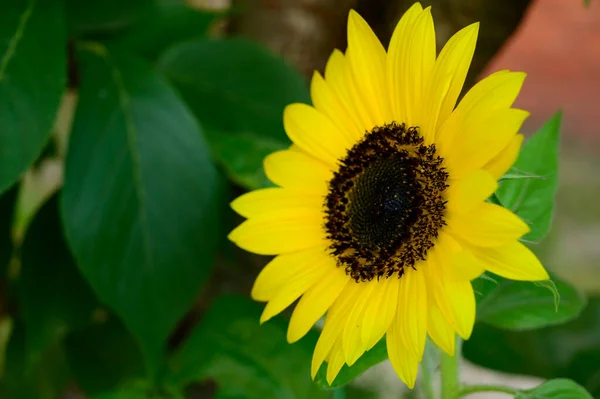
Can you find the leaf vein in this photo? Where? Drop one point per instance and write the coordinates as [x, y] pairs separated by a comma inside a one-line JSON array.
[[15, 39]]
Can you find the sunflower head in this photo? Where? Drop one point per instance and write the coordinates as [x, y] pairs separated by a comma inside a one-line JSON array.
[[380, 218]]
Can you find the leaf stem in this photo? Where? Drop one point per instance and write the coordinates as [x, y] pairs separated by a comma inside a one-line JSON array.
[[467, 390], [449, 366]]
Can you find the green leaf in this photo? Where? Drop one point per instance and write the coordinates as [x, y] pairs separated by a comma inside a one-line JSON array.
[[522, 305], [241, 154], [376, 355], [515, 174], [32, 80], [32, 377], [555, 389], [139, 390], [238, 91], [165, 24], [570, 350], [103, 356], [533, 199], [245, 359], [54, 298], [141, 202], [102, 17]]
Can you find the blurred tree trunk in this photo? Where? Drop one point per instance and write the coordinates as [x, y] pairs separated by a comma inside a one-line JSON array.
[[306, 31]]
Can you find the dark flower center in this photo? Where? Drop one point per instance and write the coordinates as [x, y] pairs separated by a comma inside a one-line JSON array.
[[385, 205]]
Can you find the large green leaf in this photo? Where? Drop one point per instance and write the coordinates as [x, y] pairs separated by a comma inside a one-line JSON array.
[[102, 17], [571, 350], [32, 78], [555, 389], [533, 198], [238, 91], [164, 24], [141, 201], [245, 359], [42, 376], [53, 296], [103, 356], [522, 305]]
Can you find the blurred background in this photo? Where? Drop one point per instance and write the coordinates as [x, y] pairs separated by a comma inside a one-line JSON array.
[[557, 42]]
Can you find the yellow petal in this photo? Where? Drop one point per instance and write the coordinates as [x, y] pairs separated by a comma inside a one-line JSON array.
[[440, 331], [280, 232], [366, 58], [465, 266], [483, 139], [403, 360], [514, 261], [335, 322], [335, 361], [259, 202], [297, 285], [502, 162], [459, 261], [326, 100], [339, 77], [412, 309], [351, 339], [466, 193], [315, 302], [488, 225], [454, 298], [380, 311], [295, 170], [448, 76], [396, 60], [411, 56], [460, 297], [498, 90], [314, 133], [281, 269]]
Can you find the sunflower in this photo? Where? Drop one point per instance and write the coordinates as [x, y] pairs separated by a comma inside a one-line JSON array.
[[380, 218]]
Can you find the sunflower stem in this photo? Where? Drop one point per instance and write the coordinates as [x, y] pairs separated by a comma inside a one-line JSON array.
[[467, 390], [428, 370], [450, 372]]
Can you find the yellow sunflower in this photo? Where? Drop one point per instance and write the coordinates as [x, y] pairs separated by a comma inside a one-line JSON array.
[[380, 219]]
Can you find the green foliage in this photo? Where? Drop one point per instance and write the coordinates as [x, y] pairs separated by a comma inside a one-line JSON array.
[[555, 389], [53, 296], [125, 215], [238, 90], [122, 287], [86, 18], [32, 80], [521, 305], [571, 350], [245, 360], [43, 376], [164, 23], [113, 360], [533, 198]]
